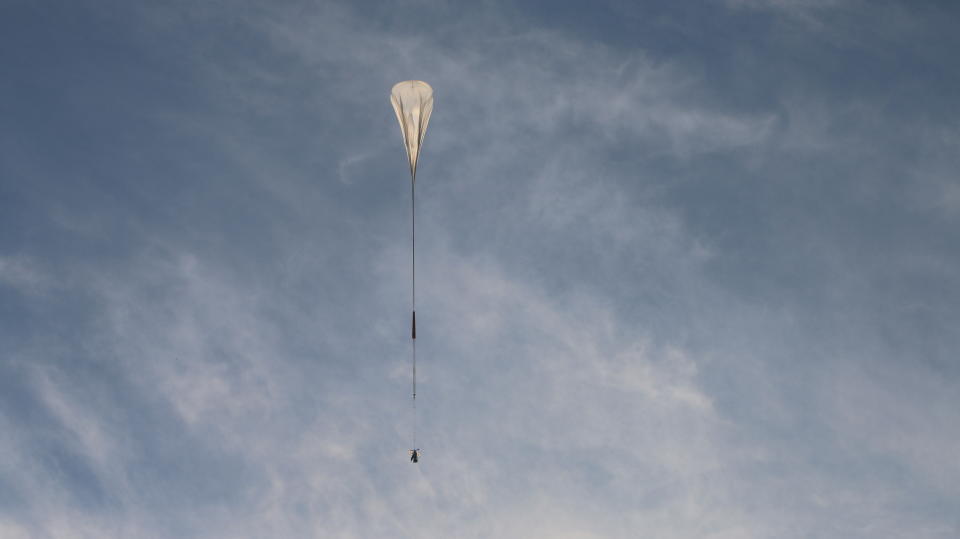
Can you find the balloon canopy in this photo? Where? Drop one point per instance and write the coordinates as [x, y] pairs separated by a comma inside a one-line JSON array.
[[413, 102]]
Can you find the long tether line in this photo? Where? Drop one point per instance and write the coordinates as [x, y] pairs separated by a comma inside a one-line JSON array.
[[413, 297]]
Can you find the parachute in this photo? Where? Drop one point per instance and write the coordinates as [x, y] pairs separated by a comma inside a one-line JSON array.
[[412, 100]]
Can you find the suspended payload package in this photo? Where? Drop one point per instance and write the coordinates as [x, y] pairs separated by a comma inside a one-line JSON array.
[[413, 102]]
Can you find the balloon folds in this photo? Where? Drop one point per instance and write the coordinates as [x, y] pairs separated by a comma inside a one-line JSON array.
[[413, 102]]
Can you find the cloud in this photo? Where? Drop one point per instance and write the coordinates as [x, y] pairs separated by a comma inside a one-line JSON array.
[[22, 274], [646, 306]]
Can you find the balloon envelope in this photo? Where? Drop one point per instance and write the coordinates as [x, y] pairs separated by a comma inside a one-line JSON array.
[[413, 102]]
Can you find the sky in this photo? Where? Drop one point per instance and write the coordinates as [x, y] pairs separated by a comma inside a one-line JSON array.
[[685, 270]]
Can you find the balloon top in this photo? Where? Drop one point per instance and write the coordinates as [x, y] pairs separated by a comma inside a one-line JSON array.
[[413, 102], [411, 85]]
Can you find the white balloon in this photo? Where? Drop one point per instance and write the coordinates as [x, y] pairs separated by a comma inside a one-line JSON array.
[[413, 102]]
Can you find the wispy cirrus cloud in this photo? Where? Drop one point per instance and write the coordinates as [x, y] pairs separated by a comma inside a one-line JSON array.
[[649, 305]]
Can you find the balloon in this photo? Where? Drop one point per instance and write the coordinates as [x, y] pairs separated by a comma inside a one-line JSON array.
[[413, 102]]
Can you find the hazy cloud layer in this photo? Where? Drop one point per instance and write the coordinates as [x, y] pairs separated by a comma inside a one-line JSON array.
[[682, 271]]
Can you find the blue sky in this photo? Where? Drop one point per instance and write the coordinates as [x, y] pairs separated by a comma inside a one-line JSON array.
[[685, 270]]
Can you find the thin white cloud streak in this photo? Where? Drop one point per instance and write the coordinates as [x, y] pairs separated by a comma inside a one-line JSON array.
[[23, 274], [322, 462], [554, 80]]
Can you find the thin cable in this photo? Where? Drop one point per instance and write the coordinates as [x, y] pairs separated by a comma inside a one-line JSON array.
[[414, 398], [413, 296], [413, 247]]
